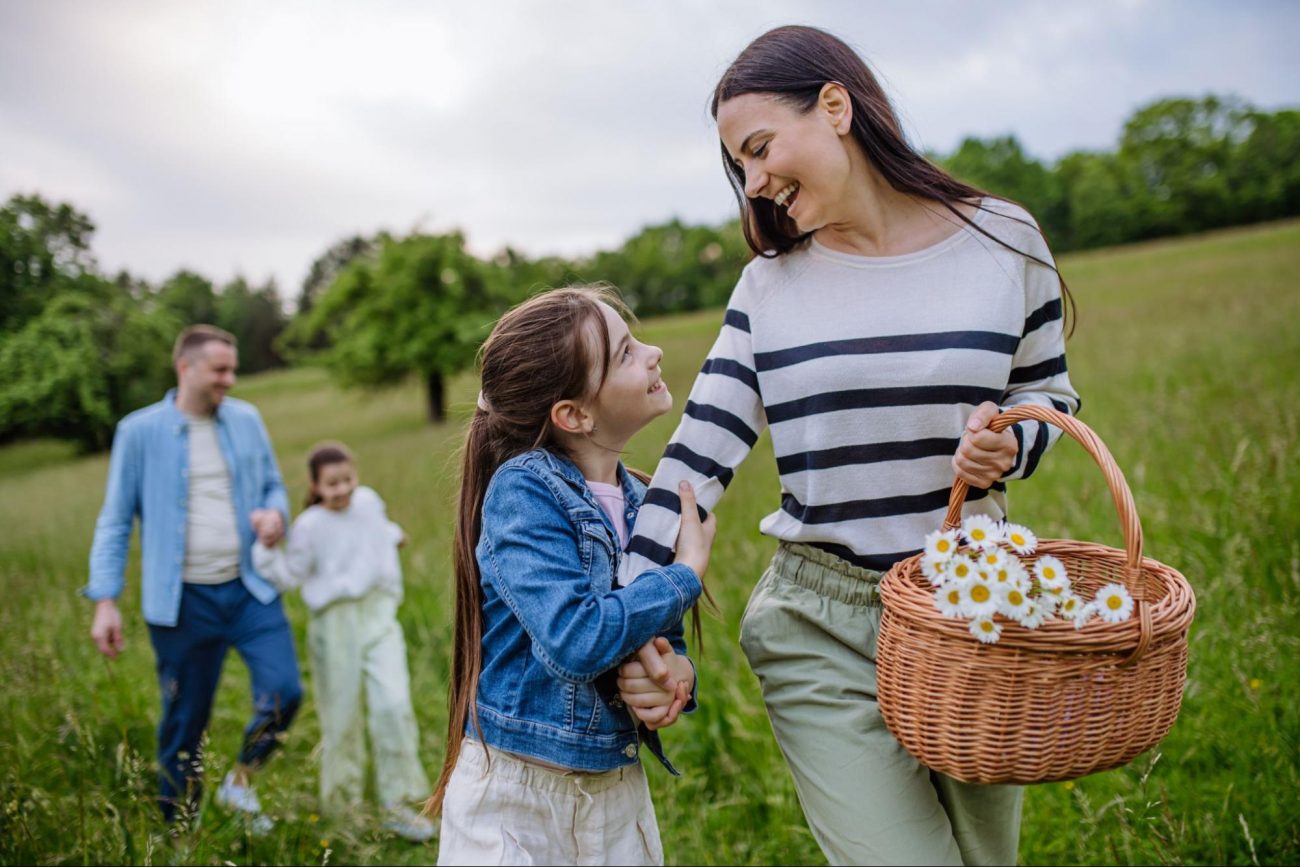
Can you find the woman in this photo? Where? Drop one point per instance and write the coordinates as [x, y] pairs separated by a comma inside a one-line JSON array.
[[889, 313]]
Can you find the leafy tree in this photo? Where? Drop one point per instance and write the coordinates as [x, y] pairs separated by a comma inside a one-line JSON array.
[[255, 316], [43, 248], [189, 297], [1264, 177], [83, 363], [421, 306], [327, 266]]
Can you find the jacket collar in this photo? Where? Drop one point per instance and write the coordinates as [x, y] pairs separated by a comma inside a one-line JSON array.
[[176, 416], [566, 469]]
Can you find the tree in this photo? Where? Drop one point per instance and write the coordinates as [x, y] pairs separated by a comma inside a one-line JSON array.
[[189, 297], [256, 318], [43, 247], [327, 266], [421, 306]]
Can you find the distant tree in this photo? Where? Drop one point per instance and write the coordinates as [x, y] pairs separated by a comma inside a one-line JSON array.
[[84, 362], [327, 266], [1001, 166], [189, 297], [422, 305], [44, 248], [256, 317], [1264, 176]]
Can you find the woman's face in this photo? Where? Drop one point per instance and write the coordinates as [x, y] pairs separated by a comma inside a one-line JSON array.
[[797, 160]]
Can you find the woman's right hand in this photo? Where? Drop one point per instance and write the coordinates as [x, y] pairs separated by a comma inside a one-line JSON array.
[[694, 539]]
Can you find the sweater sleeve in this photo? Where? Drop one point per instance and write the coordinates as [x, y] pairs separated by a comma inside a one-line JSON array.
[[289, 564], [723, 419], [1038, 369]]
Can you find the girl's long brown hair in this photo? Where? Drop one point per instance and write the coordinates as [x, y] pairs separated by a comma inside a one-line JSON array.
[[793, 64], [539, 353]]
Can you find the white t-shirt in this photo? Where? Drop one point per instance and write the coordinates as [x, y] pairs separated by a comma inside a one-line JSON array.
[[336, 555], [211, 534]]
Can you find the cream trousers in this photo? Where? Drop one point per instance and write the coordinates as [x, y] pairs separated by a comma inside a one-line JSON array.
[[509, 811], [357, 649]]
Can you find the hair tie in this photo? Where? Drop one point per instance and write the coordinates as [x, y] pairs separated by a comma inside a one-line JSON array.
[[483, 402]]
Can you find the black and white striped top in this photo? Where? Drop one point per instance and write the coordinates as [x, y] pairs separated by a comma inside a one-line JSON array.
[[865, 370]]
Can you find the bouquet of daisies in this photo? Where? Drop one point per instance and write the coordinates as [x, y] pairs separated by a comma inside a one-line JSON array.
[[978, 574]]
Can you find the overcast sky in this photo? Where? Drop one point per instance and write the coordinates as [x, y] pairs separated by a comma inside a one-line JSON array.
[[245, 137]]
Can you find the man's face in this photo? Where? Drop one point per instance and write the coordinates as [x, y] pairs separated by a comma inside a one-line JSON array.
[[208, 372]]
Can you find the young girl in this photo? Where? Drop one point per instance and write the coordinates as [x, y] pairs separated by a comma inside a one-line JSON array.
[[541, 763], [342, 552], [890, 310]]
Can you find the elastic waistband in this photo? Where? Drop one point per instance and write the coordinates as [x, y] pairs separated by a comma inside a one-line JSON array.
[[826, 575], [507, 767]]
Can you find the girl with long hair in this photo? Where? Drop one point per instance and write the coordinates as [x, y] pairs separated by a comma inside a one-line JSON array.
[[542, 759], [890, 312]]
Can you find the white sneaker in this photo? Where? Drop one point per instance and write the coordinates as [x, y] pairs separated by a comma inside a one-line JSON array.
[[243, 800], [408, 824]]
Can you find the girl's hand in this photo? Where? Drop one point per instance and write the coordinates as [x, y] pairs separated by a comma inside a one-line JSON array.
[[695, 540], [654, 700], [984, 456]]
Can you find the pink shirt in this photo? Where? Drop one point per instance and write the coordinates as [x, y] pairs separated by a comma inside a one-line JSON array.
[[610, 498]]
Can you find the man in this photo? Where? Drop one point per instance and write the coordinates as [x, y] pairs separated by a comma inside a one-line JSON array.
[[198, 470]]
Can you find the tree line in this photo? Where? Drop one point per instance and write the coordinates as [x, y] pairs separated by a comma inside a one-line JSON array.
[[79, 349]]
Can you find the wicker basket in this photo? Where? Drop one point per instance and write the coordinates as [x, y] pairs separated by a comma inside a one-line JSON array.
[[1053, 703]]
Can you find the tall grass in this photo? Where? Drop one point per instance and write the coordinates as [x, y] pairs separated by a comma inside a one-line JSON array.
[[1186, 356]]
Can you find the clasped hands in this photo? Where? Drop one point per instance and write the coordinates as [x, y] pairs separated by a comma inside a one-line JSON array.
[[656, 684]]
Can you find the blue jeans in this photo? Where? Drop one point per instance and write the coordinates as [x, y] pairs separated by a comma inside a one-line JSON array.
[[214, 618]]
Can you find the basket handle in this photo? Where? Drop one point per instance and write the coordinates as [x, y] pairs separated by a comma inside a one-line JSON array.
[[1119, 491]]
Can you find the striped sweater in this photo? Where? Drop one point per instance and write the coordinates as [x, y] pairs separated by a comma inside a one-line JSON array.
[[865, 369]]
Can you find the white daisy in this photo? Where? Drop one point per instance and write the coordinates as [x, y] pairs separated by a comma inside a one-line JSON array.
[[1083, 613], [935, 569], [961, 568], [1033, 615], [1068, 605], [1020, 538], [1013, 601], [978, 599], [948, 600], [1114, 604], [985, 629], [1050, 571], [1010, 571], [941, 545], [981, 531]]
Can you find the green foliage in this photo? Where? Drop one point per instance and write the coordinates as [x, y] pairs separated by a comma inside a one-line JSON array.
[[43, 247], [83, 363], [1000, 165], [421, 305]]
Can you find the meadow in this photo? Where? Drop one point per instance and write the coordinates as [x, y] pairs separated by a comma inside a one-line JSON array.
[[1187, 354]]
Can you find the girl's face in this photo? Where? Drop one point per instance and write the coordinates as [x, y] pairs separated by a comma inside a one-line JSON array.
[[798, 160], [335, 485], [634, 392]]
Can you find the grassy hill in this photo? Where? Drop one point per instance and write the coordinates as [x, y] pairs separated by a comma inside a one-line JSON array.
[[1186, 355]]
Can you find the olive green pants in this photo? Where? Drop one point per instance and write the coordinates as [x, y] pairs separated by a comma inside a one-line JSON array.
[[810, 635]]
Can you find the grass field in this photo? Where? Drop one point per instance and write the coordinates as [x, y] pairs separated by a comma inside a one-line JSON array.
[[1187, 355]]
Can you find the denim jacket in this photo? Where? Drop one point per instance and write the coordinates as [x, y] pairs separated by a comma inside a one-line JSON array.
[[555, 628], [148, 477]]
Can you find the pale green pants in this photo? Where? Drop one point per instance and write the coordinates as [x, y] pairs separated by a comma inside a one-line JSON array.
[[810, 635], [357, 647]]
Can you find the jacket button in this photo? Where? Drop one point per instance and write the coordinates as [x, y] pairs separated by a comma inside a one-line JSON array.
[[629, 750]]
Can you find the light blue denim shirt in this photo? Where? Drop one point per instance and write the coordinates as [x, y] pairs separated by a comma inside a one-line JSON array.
[[148, 477], [555, 627]]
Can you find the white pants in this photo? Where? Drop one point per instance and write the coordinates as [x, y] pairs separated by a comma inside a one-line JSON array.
[[357, 645], [514, 812]]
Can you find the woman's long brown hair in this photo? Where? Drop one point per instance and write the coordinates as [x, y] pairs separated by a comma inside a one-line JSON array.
[[539, 353], [793, 64]]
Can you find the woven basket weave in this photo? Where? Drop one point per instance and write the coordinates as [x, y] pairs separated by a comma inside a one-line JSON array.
[[1055, 703]]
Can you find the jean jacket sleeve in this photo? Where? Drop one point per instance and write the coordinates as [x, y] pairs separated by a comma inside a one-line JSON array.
[[530, 553]]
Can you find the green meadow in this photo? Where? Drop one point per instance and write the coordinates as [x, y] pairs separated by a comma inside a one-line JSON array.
[[1187, 355]]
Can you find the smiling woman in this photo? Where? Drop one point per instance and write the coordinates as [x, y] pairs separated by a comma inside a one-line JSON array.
[[889, 314]]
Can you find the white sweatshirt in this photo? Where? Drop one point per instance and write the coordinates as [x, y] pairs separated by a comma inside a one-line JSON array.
[[336, 555]]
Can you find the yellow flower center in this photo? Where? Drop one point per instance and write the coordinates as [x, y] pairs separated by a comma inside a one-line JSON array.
[[979, 593], [1049, 573], [1067, 605], [987, 625], [1114, 603], [1015, 598], [954, 596], [977, 535], [962, 570], [942, 546], [1017, 539]]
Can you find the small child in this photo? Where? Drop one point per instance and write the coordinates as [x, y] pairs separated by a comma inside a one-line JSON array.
[[542, 753], [342, 552]]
